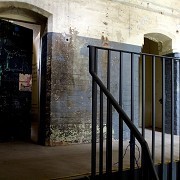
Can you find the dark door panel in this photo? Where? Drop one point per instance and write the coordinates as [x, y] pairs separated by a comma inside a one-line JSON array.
[[15, 81]]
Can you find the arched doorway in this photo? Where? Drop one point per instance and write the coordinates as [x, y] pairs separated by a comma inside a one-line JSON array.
[[158, 44], [23, 16]]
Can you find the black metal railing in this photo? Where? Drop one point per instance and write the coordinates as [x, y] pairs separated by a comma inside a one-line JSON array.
[[105, 105]]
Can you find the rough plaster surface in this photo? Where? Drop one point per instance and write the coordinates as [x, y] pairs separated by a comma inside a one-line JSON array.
[[70, 105], [75, 24], [168, 106], [120, 20]]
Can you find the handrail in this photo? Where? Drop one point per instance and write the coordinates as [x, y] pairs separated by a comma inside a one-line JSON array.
[[128, 122], [137, 53], [125, 118]]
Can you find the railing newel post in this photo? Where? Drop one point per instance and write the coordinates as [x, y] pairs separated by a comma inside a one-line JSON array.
[[92, 69]]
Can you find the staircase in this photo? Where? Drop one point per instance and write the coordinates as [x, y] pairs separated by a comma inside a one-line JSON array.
[[124, 110]]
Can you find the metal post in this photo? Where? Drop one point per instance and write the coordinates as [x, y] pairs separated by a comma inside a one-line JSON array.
[[172, 119], [163, 120], [132, 139], [101, 135], [93, 67], [153, 106], [109, 122], [120, 162], [143, 93], [143, 112]]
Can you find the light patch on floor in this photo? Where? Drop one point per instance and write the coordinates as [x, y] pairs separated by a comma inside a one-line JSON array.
[[28, 161]]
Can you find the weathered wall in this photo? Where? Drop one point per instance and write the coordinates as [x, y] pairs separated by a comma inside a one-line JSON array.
[[71, 26], [70, 103], [168, 106], [71, 86], [119, 20]]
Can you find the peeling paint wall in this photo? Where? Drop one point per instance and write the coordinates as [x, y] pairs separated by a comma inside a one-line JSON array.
[[71, 26], [71, 93], [70, 106], [120, 20], [71, 90]]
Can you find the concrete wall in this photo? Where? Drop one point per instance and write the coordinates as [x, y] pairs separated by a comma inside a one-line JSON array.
[[71, 26], [71, 87], [119, 20], [168, 105]]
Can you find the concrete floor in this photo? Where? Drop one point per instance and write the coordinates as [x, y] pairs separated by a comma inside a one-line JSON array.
[[27, 161]]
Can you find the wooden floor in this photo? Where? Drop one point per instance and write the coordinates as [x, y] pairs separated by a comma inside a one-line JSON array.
[[29, 161]]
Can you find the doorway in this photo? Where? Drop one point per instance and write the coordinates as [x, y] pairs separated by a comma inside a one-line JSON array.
[[15, 81], [152, 47], [157, 44]]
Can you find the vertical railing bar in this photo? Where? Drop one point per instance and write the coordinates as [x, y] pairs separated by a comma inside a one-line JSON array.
[[109, 112], [143, 93], [109, 141], [120, 162], [153, 106], [143, 114], [163, 120], [132, 139], [109, 121], [93, 64], [108, 69], [172, 116], [101, 135]]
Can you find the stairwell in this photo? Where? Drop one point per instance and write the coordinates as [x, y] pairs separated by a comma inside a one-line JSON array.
[[148, 152]]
